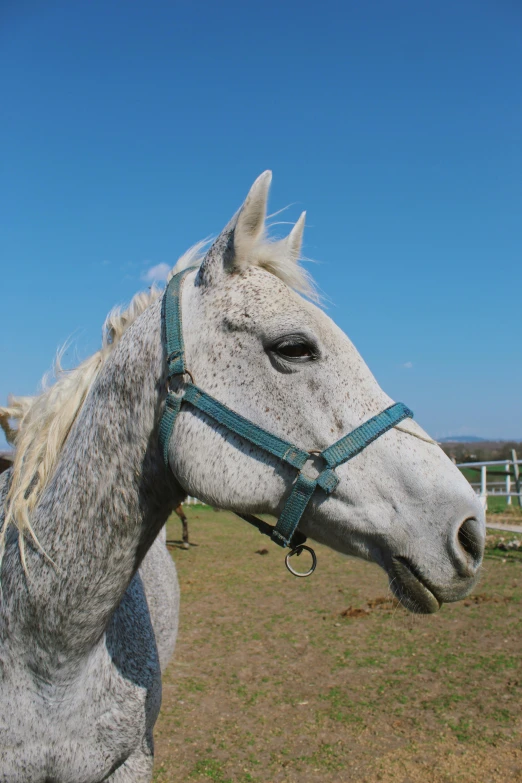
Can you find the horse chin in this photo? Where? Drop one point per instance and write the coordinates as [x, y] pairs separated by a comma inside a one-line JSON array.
[[410, 587]]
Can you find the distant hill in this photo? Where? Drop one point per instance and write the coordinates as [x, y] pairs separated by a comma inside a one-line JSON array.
[[462, 439]]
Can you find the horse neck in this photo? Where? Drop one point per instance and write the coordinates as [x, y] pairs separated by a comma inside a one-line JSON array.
[[105, 504]]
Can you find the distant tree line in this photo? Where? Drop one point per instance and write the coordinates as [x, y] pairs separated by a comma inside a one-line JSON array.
[[482, 451]]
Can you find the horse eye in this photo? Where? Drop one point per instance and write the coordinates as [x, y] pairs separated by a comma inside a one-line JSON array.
[[296, 351]]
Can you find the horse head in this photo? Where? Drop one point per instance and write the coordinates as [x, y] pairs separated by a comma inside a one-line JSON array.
[[256, 345]]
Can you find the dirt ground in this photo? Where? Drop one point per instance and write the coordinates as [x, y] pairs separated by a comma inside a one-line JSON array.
[[326, 678]]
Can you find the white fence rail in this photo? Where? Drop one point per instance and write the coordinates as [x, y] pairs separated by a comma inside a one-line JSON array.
[[507, 485]]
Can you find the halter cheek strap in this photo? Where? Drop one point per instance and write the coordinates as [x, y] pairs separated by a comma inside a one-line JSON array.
[[285, 532]]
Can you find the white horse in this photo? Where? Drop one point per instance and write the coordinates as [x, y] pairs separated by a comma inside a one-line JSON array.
[[89, 594]]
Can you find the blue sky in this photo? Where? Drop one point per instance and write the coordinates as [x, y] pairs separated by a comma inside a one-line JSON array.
[[130, 130]]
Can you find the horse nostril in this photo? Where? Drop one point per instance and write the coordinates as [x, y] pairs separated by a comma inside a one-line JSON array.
[[471, 539]]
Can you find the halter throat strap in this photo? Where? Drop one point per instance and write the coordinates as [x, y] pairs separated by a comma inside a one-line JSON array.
[[285, 532]]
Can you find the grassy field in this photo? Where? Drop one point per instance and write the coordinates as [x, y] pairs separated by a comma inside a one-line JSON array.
[[496, 505], [494, 471], [326, 679]]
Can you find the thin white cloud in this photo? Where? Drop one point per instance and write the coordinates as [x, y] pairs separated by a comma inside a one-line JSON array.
[[156, 274], [407, 365]]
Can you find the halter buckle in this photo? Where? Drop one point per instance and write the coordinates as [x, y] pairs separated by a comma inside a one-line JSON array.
[[177, 375]]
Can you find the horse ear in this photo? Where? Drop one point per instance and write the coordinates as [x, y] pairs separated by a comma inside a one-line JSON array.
[[232, 249], [294, 239], [282, 256], [250, 224]]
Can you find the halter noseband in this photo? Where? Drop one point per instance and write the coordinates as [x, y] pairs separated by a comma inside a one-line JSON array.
[[285, 532]]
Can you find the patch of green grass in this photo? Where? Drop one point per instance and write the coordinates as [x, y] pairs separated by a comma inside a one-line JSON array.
[[463, 730], [444, 702], [502, 716], [211, 769], [369, 662], [510, 554], [328, 757], [342, 709], [499, 505], [497, 662]]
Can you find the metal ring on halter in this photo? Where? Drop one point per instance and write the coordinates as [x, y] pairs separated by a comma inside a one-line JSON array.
[[185, 372], [297, 551]]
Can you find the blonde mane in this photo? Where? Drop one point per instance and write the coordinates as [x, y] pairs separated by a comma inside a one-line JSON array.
[[45, 420]]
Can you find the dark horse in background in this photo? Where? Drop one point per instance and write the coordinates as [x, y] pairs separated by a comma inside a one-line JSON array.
[[185, 535], [6, 460]]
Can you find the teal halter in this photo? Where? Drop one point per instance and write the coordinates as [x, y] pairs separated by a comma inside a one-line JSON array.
[[285, 532]]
